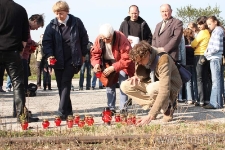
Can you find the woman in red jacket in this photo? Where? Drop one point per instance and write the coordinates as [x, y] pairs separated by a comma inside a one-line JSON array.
[[113, 46]]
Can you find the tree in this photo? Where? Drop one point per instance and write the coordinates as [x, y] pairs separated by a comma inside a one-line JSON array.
[[189, 14]]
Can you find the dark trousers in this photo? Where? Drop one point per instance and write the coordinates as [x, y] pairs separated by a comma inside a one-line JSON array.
[[39, 70], [64, 79], [2, 70], [26, 72], [204, 83], [46, 77], [13, 63]]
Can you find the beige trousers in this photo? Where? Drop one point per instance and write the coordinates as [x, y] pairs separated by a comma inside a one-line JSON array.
[[143, 94]]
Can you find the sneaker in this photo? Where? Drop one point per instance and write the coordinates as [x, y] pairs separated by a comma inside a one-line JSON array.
[[189, 102], [199, 104], [181, 100]]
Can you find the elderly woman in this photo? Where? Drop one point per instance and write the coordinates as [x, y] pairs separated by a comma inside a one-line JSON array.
[[65, 39], [113, 46]]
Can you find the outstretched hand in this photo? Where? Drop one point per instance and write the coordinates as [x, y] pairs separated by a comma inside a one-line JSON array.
[[144, 120]]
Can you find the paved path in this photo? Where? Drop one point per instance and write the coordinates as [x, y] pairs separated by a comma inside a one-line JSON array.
[[92, 102]]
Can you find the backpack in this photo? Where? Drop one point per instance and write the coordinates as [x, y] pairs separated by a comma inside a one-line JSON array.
[[32, 88]]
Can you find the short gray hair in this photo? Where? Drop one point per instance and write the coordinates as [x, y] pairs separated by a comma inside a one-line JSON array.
[[106, 30]]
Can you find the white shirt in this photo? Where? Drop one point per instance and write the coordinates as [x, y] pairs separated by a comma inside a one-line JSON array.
[[108, 54], [65, 21]]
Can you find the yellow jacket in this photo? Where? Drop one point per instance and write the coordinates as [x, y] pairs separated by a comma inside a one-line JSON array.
[[200, 42]]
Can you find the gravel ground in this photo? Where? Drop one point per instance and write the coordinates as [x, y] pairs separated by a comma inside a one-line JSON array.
[[91, 102]]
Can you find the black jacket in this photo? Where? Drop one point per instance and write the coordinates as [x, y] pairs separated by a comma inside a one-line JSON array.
[[146, 33], [14, 26], [53, 46]]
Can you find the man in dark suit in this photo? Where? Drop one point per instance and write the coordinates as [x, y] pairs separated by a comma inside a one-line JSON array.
[[168, 32]]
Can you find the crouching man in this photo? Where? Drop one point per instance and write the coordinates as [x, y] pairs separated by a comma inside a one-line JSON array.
[[159, 96]]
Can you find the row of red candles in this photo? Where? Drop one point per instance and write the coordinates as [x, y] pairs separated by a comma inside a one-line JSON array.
[[89, 120]]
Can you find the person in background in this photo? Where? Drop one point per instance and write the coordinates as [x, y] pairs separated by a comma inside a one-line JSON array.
[[47, 71], [93, 83], [199, 44], [65, 40], [2, 71], [8, 84], [191, 86], [35, 21], [182, 60], [160, 95], [87, 65], [38, 54], [168, 33], [214, 54], [136, 26], [113, 47], [14, 34], [194, 27]]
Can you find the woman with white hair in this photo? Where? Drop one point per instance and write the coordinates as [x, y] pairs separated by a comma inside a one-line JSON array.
[[113, 46]]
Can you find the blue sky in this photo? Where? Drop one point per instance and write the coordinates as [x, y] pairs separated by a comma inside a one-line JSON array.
[[94, 13]]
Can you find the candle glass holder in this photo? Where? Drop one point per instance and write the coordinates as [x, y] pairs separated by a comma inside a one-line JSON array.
[[45, 123]]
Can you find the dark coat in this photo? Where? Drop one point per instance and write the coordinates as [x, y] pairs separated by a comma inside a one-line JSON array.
[[53, 43], [146, 33], [170, 37]]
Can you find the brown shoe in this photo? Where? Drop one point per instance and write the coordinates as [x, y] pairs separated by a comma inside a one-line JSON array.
[[168, 115]]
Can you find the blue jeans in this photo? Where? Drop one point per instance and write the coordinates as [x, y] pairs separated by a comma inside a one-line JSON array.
[[191, 86], [93, 83], [87, 65], [111, 93], [8, 83], [216, 94]]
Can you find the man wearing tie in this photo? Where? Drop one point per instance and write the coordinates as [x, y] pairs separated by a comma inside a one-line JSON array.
[[168, 32]]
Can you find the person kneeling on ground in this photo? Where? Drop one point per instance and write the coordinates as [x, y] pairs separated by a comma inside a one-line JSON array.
[[160, 95]]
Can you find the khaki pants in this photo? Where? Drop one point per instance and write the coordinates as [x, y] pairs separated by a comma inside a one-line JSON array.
[[143, 93]]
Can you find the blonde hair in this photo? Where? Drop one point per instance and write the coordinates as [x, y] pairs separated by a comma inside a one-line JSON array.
[[60, 6]]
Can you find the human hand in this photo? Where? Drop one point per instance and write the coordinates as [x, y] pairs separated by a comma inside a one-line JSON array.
[[45, 70], [49, 59], [134, 80], [96, 68], [108, 70], [144, 120], [83, 59]]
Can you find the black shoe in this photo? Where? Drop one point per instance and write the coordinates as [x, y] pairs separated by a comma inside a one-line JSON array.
[[100, 87], [87, 88], [92, 88], [31, 119], [81, 89], [209, 107], [1, 90]]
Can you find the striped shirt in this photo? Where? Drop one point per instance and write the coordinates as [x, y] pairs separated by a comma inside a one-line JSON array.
[[215, 46]]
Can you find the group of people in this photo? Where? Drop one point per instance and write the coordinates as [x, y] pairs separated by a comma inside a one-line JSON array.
[[145, 70], [204, 42]]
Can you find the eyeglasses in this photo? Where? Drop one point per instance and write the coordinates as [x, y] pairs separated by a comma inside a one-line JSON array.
[[107, 39]]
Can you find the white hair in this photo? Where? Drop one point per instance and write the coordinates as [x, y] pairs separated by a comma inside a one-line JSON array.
[[106, 30]]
